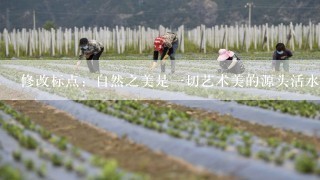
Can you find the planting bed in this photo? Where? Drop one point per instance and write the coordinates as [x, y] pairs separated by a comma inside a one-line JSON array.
[[175, 132]]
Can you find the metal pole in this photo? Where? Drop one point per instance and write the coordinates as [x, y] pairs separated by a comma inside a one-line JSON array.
[[249, 5], [8, 19], [34, 19]]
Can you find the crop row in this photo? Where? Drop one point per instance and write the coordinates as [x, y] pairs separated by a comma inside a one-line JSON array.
[[107, 168], [205, 132], [302, 108]]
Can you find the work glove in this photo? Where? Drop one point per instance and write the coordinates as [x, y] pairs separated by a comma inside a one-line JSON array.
[[221, 71]]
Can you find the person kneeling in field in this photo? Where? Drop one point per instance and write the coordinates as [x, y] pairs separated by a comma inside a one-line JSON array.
[[229, 62], [92, 50], [165, 45], [281, 55]]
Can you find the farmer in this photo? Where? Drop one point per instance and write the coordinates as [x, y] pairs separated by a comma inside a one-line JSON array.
[[229, 62], [92, 51], [165, 45], [281, 55]]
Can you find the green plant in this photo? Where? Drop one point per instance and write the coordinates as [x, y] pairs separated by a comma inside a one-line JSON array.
[[43, 154], [29, 164], [9, 173], [69, 165], [244, 150], [305, 164], [16, 155], [272, 142], [29, 142], [42, 171], [56, 160], [246, 138], [279, 160], [109, 171], [75, 152], [62, 144], [263, 155], [291, 155], [48, 25], [80, 170], [98, 161], [44, 133]]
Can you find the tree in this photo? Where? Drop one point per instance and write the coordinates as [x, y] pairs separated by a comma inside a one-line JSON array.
[[48, 25]]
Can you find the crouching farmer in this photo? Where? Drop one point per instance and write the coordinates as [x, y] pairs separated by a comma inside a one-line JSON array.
[[229, 62], [165, 45], [91, 50], [281, 56]]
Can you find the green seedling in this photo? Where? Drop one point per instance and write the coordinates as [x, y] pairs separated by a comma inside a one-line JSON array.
[[76, 152], [305, 164], [69, 165], [45, 134], [263, 155], [291, 155], [44, 154], [28, 142], [279, 160], [244, 150], [80, 170], [56, 160], [62, 144], [272, 142], [109, 171], [246, 138], [42, 171], [16, 155], [29, 164], [7, 172], [97, 161]]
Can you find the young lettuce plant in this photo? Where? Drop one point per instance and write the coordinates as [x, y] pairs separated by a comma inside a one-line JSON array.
[[29, 164], [56, 160], [16, 155], [69, 165], [305, 164], [42, 171]]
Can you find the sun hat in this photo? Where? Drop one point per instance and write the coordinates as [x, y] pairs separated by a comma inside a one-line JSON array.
[[224, 54]]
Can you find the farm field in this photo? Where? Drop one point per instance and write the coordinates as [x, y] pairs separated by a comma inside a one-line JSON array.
[[130, 122]]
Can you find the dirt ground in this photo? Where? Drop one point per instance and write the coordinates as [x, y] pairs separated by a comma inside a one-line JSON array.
[[130, 156]]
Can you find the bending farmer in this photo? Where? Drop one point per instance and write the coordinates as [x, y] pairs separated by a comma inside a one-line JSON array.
[[166, 44], [229, 62], [92, 50]]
